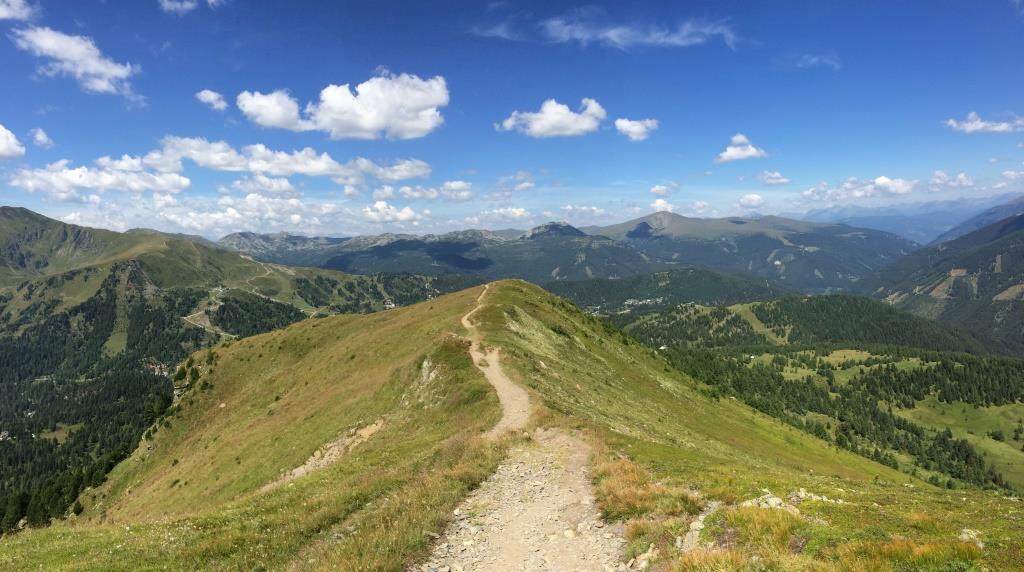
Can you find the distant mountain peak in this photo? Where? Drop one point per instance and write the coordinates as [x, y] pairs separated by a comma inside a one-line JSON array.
[[554, 229]]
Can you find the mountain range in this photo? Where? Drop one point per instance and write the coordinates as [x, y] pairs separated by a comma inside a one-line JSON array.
[[922, 222], [162, 393], [800, 255], [975, 281]]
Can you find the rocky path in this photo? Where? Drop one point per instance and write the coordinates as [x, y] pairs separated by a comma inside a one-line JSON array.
[[537, 511]]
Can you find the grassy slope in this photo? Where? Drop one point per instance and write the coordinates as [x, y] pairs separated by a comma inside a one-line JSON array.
[[192, 500], [655, 429], [973, 424]]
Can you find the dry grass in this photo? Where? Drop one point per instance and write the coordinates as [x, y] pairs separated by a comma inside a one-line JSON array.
[[626, 489], [902, 554]]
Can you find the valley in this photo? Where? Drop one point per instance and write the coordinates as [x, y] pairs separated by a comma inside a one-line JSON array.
[[511, 286], [665, 449], [498, 425]]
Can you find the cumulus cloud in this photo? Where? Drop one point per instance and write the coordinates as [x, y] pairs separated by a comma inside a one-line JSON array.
[[973, 123], [665, 189], [773, 178], [258, 158], [556, 120], [573, 211], [10, 147], [381, 211], [636, 130], [456, 191], [16, 10], [40, 138], [751, 201], [60, 181], [160, 170], [700, 207], [523, 181], [942, 181], [384, 192], [661, 205], [854, 188], [275, 109], [582, 27], [392, 106], [505, 214], [1013, 175], [740, 148], [77, 57], [182, 7], [264, 185], [212, 99]]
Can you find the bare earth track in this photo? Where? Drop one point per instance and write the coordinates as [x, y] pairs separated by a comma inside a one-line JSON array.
[[537, 511]]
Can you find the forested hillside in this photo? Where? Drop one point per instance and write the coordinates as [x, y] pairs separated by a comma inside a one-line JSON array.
[[845, 369], [664, 289], [668, 450], [975, 282]]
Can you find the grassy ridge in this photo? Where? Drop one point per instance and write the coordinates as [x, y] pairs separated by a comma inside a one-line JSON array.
[[190, 498], [664, 449]]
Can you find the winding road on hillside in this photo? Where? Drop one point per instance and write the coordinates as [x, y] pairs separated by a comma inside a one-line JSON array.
[[537, 511]]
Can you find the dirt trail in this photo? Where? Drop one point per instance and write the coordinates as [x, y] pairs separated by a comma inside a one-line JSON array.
[[515, 402], [537, 511]]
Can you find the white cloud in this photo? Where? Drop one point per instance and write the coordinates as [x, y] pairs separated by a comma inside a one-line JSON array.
[[663, 190], [636, 130], [773, 178], [449, 190], [258, 158], [160, 169], [384, 192], [941, 181], [819, 60], [61, 182], [506, 214], [381, 211], [78, 57], [264, 185], [523, 181], [125, 163], [182, 7], [10, 147], [893, 186], [213, 99], [751, 201], [660, 205], [1013, 175], [393, 106], [275, 109], [975, 124], [700, 207], [581, 27], [573, 211], [854, 188], [556, 120], [164, 200], [740, 148], [40, 138], [457, 190], [16, 10]]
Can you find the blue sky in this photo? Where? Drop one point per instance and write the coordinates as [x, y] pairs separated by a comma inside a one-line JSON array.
[[437, 117]]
